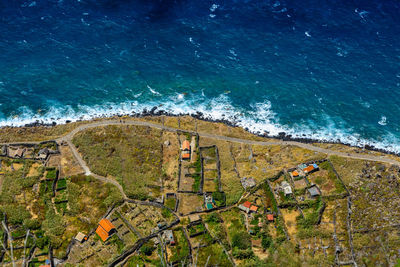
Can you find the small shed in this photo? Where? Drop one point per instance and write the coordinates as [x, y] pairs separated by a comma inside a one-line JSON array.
[[314, 191], [270, 217], [287, 190], [43, 153], [253, 208], [295, 173], [80, 237]]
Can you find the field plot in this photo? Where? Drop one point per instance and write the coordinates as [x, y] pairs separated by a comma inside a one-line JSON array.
[[377, 248], [189, 203], [130, 154], [142, 219], [170, 160], [375, 197], [210, 168], [212, 255], [290, 217], [94, 252], [327, 180], [230, 179], [180, 251]]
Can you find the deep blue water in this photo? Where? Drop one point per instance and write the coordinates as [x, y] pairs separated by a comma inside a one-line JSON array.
[[321, 69]]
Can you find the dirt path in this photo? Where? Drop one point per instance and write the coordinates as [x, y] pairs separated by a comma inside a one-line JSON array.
[[70, 135], [82, 163]]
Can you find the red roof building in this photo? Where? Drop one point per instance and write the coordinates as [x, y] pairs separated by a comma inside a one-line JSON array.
[[270, 217], [247, 204], [253, 208], [104, 229], [308, 169]]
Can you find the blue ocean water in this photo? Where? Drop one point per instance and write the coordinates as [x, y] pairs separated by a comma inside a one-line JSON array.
[[321, 69]]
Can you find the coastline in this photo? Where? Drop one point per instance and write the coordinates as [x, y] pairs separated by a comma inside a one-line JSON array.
[[156, 112]]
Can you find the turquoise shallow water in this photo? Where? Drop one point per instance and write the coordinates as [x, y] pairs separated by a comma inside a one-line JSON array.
[[328, 70]]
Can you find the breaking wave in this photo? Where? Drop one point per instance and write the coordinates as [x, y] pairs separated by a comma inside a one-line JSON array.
[[260, 119]]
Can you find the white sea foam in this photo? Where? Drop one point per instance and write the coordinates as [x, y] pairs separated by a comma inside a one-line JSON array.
[[154, 92], [382, 121], [260, 119], [214, 7]]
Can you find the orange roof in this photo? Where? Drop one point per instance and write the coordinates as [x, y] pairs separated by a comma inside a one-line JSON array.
[[186, 145], [247, 204], [254, 208], [309, 168], [295, 173], [106, 224], [270, 217], [102, 233], [185, 155]]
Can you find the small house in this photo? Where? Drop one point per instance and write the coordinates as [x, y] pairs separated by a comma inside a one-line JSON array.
[[80, 237], [105, 229], [270, 217], [43, 154], [169, 237], [314, 191], [186, 150], [248, 182], [295, 173], [245, 206], [253, 208], [208, 201], [287, 190]]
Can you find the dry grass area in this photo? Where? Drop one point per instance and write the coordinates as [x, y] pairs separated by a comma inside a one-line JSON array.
[[170, 160], [229, 178], [34, 170], [130, 154], [189, 203], [274, 158], [289, 216], [68, 163]]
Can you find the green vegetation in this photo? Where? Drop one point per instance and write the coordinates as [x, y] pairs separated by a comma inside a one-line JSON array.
[[219, 198], [326, 165], [180, 251], [214, 254], [51, 173], [61, 183], [197, 175], [166, 213], [197, 228], [170, 203]]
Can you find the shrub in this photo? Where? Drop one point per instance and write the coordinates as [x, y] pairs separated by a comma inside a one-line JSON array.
[[213, 218], [242, 253], [241, 240], [147, 249], [32, 224], [51, 174], [266, 241], [219, 198]]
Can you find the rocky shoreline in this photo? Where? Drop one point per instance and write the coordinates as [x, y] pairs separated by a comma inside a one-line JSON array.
[[155, 111]]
